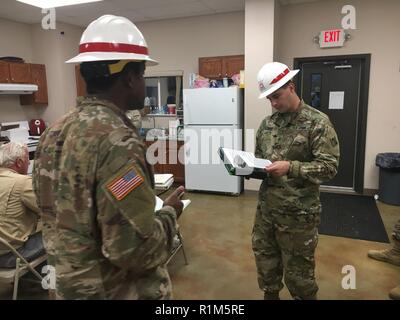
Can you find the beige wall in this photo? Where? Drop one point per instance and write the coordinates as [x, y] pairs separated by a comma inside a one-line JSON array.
[[177, 44], [15, 39], [259, 49], [277, 28], [378, 25], [49, 47]]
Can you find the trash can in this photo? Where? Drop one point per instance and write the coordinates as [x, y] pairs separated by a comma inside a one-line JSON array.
[[389, 177]]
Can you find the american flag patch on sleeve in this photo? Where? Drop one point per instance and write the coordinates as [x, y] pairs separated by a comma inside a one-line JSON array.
[[121, 186]]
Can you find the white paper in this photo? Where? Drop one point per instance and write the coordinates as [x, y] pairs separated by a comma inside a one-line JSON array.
[[162, 178], [159, 204], [186, 203], [261, 163], [163, 181], [336, 100], [237, 156]]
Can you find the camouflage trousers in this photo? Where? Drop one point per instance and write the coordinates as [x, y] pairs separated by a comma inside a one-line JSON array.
[[284, 245], [396, 231]]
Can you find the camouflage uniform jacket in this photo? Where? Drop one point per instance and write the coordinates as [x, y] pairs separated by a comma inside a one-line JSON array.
[[308, 140], [95, 191]]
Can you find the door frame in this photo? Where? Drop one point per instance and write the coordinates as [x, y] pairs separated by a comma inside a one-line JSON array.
[[363, 107]]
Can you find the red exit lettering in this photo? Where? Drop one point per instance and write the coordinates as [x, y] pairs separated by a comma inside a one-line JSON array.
[[331, 36]]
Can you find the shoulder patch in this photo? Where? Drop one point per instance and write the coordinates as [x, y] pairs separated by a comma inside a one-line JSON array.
[[127, 181]]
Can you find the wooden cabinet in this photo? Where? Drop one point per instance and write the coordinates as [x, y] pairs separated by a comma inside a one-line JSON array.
[[80, 82], [28, 73], [157, 155], [4, 72], [20, 72], [171, 151], [233, 65], [13, 72], [218, 67], [211, 68], [38, 77], [174, 166]]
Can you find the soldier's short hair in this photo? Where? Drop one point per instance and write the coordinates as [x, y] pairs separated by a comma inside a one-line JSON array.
[[10, 152], [98, 78]]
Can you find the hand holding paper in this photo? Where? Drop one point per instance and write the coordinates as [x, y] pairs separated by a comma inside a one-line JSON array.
[[174, 200], [160, 204], [278, 168], [242, 163]]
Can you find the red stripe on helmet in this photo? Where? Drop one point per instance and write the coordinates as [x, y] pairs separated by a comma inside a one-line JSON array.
[[112, 47], [280, 76]]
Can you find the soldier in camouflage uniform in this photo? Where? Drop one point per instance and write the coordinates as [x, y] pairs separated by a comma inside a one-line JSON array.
[[303, 146], [95, 187]]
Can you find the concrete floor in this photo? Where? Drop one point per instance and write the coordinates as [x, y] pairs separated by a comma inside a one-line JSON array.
[[217, 239]]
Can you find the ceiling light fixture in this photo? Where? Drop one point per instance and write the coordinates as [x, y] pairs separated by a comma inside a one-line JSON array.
[[46, 4]]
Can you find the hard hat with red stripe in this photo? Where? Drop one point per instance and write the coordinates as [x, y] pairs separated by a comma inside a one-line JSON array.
[[272, 76], [112, 38]]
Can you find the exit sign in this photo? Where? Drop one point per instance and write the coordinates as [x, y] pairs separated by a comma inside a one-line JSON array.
[[331, 38]]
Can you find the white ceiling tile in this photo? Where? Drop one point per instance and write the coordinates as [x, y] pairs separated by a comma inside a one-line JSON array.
[[136, 10], [140, 4], [17, 11], [88, 9]]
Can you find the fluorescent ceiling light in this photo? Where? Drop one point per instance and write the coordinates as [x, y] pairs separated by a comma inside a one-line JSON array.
[[45, 4]]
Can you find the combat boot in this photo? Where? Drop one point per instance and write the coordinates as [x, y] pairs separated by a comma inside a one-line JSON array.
[[271, 296], [389, 255], [395, 293]]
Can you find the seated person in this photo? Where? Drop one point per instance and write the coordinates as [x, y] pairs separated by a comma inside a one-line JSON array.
[[19, 213]]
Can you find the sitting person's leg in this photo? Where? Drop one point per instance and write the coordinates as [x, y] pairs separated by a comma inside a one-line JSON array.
[[32, 249]]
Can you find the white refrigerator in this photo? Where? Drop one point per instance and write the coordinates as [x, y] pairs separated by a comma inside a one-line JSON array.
[[213, 118]]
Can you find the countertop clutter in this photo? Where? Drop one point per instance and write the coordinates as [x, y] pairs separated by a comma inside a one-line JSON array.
[[153, 134]]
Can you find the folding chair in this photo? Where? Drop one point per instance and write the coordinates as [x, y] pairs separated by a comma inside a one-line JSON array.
[[166, 181], [177, 248], [22, 267]]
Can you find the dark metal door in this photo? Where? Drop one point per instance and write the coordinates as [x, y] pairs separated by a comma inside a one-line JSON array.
[[333, 87]]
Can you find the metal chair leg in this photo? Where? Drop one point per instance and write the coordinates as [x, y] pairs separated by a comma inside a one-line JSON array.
[[183, 247], [16, 278]]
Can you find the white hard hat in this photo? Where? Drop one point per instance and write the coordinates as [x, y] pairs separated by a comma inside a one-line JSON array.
[[272, 76], [112, 38]]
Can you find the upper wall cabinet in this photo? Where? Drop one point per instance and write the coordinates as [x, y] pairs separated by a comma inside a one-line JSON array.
[[11, 72], [20, 72], [211, 67], [4, 72], [38, 77], [29, 73], [233, 65], [219, 67]]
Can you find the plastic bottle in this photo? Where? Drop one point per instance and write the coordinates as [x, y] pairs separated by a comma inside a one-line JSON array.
[[225, 81]]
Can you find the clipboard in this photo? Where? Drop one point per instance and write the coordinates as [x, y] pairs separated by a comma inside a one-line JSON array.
[[242, 163]]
